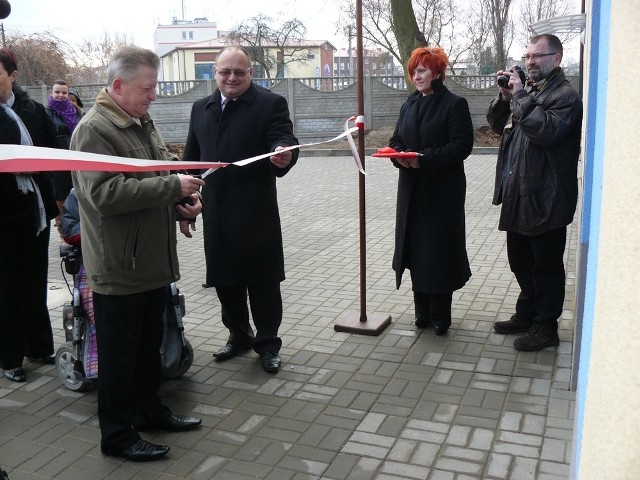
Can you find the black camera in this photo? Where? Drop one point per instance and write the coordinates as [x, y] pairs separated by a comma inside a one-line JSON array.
[[503, 80]]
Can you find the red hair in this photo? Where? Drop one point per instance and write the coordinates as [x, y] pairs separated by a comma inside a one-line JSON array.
[[433, 58]]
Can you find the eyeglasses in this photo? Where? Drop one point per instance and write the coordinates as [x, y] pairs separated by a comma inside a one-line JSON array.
[[238, 73], [536, 56]]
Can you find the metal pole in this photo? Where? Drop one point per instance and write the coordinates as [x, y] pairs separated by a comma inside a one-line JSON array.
[[361, 322], [361, 185]]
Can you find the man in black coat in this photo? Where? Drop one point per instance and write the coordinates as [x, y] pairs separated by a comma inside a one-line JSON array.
[[242, 232], [537, 186]]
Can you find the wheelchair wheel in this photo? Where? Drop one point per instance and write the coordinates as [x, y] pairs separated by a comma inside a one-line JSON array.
[[66, 365], [185, 362]]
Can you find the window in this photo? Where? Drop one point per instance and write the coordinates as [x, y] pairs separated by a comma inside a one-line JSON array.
[[204, 71], [191, 35], [310, 56], [184, 35]]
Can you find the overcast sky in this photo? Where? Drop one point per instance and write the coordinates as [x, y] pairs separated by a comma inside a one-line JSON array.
[[77, 20]]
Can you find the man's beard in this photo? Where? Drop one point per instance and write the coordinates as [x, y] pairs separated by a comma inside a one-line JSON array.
[[539, 74]]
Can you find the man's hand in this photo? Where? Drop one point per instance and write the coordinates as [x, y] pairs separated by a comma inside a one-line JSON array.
[[184, 227], [281, 160], [193, 210], [189, 184], [514, 85]]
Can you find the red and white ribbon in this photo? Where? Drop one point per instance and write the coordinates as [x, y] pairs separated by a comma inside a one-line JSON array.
[[24, 159], [359, 122], [28, 159]]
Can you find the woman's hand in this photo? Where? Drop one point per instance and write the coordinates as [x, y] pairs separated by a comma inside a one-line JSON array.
[[409, 162]]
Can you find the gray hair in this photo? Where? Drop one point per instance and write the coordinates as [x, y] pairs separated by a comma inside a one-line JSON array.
[[126, 61]]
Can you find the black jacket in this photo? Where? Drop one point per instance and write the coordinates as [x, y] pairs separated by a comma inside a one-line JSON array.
[[241, 221], [17, 209], [537, 169], [430, 218]]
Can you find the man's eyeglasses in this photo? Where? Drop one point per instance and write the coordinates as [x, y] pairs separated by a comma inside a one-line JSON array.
[[238, 73], [536, 56]]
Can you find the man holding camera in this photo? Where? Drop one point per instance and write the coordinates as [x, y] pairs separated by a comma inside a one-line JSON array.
[[537, 186]]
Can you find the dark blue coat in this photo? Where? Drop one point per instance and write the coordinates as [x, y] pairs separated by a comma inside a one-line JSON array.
[[242, 232], [430, 218]]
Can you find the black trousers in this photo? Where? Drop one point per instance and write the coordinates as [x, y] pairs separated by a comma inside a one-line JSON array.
[[25, 325], [266, 309], [129, 332], [538, 265], [435, 307]]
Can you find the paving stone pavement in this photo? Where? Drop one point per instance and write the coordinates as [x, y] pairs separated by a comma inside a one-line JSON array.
[[405, 404]]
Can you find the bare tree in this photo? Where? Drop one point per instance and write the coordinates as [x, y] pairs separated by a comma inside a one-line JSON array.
[[501, 28], [477, 33], [377, 25], [405, 28], [42, 57], [440, 23], [399, 26], [92, 58], [532, 11], [273, 47]]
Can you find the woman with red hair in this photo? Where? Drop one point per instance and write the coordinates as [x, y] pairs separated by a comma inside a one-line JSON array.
[[430, 222]]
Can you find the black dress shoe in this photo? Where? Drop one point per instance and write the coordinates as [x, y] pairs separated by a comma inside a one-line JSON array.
[[206, 285], [16, 375], [141, 451], [229, 351], [173, 423], [270, 361], [179, 423]]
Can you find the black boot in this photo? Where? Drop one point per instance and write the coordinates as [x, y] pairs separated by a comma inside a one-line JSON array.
[[538, 337]]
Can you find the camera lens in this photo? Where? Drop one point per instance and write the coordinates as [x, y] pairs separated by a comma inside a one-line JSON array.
[[503, 81]]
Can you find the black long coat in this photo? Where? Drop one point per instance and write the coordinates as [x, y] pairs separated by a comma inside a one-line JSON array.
[[430, 219], [242, 232], [17, 210]]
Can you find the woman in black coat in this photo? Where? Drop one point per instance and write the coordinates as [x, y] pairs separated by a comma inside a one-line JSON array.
[[430, 218], [26, 209]]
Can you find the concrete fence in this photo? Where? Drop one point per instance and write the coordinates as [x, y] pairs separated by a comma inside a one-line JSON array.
[[316, 114]]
